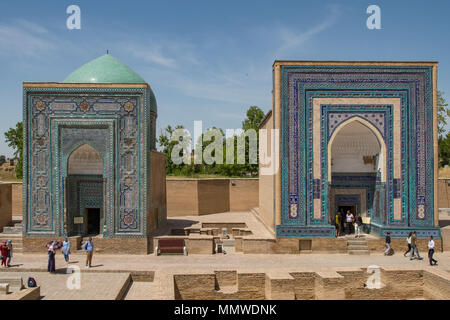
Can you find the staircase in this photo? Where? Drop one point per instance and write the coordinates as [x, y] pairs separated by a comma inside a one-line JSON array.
[[357, 246], [13, 232]]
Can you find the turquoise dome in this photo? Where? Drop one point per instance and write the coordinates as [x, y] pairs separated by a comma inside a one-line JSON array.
[[105, 69]]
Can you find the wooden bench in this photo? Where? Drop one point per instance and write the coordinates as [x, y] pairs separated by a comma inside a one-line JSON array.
[[170, 246]]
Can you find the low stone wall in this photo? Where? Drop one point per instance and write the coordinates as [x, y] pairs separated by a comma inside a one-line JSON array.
[[205, 196], [5, 205], [254, 245], [436, 284], [101, 245], [343, 283]]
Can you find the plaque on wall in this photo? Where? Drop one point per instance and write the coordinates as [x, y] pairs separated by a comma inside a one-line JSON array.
[[78, 220]]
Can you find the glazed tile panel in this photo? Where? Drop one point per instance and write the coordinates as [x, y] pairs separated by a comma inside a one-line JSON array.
[[300, 85], [118, 123]]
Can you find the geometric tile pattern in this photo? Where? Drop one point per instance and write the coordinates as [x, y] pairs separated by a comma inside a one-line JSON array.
[[119, 123], [301, 84]]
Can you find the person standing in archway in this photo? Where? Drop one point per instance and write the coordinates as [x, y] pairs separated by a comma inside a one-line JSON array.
[[338, 223], [349, 218]]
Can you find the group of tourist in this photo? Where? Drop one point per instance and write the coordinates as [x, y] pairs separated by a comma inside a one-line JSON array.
[[6, 251], [411, 241], [54, 245], [345, 222]]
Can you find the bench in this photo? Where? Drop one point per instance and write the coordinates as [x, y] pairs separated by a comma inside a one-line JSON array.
[[170, 246]]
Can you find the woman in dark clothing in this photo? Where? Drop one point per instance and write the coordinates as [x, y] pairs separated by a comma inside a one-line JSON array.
[[51, 258], [4, 251]]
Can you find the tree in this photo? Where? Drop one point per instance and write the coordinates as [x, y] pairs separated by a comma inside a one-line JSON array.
[[443, 113], [14, 139], [2, 160], [444, 150], [167, 144], [443, 143], [254, 117]]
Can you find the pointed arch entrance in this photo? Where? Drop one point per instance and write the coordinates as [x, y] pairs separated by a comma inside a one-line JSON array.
[[356, 168], [85, 191]]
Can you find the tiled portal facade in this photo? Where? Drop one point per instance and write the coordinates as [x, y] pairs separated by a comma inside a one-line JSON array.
[[396, 101], [118, 122]]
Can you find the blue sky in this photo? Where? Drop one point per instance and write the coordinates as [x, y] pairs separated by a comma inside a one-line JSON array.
[[209, 60]]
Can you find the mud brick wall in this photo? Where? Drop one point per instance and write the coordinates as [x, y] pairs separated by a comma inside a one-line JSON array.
[[304, 285], [225, 278], [101, 245], [280, 286], [285, 245], [5, 205], [400, 245], [329, 285], [404, 283], [251, 286], [436, 284], [200, 245], [244, 194], [16, 196], [195, 286]]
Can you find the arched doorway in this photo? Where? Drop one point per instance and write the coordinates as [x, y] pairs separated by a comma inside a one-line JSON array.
[[85, 191], [356, 167]]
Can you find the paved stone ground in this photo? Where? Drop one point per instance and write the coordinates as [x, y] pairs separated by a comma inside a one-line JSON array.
[[258, 229], [109, 272], [93, 286], [235, 261]]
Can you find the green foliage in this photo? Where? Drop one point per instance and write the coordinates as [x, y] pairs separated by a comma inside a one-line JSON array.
[[444, 150], [2, 159], [254, 118], [14, 139], [444, 143], [443, 113]]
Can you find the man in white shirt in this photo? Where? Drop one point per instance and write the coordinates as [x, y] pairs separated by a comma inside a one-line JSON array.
[[431, 251], [349, 219]]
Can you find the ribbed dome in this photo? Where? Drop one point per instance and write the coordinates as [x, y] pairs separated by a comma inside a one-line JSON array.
[[105, 69]]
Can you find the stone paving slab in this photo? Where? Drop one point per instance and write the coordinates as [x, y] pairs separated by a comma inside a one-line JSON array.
[[94, 286], [236, 261]]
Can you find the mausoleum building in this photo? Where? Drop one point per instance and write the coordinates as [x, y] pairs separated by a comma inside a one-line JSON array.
[[90, 165], [358, 136]]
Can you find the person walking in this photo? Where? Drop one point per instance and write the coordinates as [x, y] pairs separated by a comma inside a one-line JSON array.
[[388, 244], [10, 253], [408, 241], [66, 249], [4, 250], [431, 251], [88, 246], [414, 247], [51, 257]]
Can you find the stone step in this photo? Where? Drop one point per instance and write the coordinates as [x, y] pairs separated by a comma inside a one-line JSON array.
[[356, 242], [12, 230], [359, 252], [228, 242], [357, 247], [17, 224]]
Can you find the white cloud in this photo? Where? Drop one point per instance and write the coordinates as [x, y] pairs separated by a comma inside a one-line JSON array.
[[292, 39], [24, 38]]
